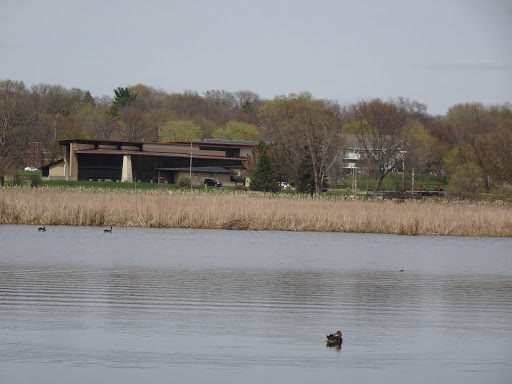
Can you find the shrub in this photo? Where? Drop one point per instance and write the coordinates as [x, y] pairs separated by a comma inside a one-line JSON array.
[[184, 182], [35, 180]]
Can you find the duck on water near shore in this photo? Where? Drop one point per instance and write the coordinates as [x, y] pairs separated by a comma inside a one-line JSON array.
[[334, 338], [108, 230], [42, 229]]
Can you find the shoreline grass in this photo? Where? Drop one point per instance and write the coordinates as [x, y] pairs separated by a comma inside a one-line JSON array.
[[256, 211]]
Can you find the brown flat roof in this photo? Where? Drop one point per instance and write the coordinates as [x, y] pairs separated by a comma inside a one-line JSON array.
[[207, 142], [99, 142], [146, 153]]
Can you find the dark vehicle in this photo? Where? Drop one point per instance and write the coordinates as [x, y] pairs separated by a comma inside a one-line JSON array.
[[434, 192], [213, 182]]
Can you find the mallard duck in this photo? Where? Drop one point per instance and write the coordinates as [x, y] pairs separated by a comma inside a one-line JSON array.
[[42, 229], [334, 338], [108, 230]]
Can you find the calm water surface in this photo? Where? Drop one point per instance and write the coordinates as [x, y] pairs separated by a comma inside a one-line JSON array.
[[164, 305]]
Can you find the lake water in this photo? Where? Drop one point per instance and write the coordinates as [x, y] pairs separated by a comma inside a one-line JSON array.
[[166, 305]]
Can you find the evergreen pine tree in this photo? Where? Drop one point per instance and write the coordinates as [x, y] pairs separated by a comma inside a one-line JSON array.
[[123, 97], [305, 177], [264, 177]]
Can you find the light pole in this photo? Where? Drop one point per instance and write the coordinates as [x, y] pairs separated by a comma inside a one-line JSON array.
[[403, 172], [190, 168], [354, 180], [412, 183]]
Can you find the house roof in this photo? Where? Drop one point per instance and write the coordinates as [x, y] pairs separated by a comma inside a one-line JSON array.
[[226, 142], [52, 163]]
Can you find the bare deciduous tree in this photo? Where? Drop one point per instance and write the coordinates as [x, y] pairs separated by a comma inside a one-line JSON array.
[[248, 104], [51, 99], [187, 105], [380, 131], [302, 125], [471, 121], [134, 126], [221, 106], [17, 113], [493, 149], [94, 121]]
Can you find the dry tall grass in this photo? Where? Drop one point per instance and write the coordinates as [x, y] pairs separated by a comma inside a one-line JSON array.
[[171, 209]]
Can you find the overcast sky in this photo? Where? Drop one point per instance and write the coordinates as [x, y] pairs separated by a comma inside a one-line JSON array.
[[438, 52]]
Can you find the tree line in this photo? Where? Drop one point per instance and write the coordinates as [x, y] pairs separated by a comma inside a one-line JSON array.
[[471, 143]]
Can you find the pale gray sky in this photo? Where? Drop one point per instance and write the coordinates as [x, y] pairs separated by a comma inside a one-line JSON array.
[[439, 52]]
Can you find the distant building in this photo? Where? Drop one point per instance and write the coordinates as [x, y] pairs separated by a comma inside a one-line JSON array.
[[354, 154], [124, 161]]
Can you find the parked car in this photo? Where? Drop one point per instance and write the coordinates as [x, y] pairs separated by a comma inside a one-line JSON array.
[[31, 169], [213, 182], [433, 192], [284, 185]]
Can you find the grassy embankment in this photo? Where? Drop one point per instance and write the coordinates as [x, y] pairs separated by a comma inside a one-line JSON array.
[[242, 210], [392, 181]]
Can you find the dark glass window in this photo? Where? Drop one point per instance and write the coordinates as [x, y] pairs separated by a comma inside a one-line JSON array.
[[96, 167], [144, 168]]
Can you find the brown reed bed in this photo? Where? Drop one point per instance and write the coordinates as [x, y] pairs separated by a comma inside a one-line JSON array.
[[254, 211]]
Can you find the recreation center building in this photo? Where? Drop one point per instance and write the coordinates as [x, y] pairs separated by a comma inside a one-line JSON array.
[[126, 161]]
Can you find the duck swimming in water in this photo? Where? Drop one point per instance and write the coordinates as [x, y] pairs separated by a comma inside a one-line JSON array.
[[42, 229], [334, 338]]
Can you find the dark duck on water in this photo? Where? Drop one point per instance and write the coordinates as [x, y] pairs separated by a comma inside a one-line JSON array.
[[334, 338]]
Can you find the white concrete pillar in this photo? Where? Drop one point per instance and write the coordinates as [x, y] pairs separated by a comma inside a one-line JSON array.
[[126, 175], [73, 163], [66, 161]]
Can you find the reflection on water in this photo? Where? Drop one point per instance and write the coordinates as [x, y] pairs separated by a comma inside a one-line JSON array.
[[77, 305]]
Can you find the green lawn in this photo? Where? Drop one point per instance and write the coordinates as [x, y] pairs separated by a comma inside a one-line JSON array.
[[28, 173], [106, 185], [25, 176], [392, 181], [125, 186]]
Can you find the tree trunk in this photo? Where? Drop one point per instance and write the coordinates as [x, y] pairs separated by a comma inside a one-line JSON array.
[[316, 172], [318, 182], [378, 182]]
